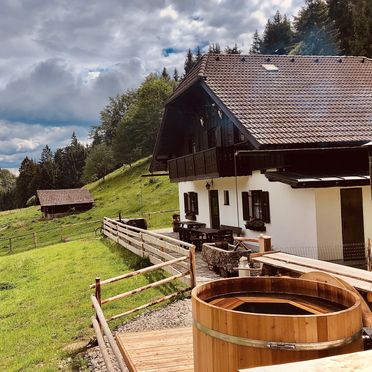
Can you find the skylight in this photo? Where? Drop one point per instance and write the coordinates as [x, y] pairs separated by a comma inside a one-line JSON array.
[[270, 67]]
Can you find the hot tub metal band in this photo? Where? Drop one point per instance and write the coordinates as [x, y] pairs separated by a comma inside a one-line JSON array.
[[277, 345]]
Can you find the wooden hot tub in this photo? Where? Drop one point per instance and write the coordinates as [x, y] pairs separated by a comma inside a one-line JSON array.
[[257, 321]]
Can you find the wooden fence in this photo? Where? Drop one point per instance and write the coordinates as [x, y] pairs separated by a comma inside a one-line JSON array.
[[168, 254], [40, 238], [156, 247]]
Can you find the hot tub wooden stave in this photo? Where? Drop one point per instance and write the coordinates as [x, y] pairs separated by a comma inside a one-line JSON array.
[[226, 340]]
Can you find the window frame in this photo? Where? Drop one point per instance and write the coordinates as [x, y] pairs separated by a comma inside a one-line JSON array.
[[191, 203], [226, 197], [256, 205]]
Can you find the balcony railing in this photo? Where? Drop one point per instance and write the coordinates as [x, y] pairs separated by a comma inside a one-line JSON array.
[[214, 162]]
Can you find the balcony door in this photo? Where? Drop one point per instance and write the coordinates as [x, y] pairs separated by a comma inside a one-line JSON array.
[[214, 209], [352, 224]]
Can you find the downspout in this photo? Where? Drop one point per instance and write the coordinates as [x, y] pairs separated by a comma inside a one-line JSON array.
[[236, 154]]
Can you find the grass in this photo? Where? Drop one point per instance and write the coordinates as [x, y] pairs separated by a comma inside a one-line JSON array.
[[45, 299], [124, 190]]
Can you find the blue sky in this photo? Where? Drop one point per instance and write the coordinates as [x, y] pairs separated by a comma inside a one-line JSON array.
[[60, 60]]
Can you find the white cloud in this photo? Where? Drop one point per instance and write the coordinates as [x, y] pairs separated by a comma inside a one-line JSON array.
[[60, 60]]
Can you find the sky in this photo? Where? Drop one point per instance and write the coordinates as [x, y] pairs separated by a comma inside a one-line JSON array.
[[60, 60]]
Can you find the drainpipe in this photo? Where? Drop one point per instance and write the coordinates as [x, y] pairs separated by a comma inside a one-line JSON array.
[[236, 154], [369, 146]]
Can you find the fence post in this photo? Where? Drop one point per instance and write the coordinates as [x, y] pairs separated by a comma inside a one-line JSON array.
[[34, 238], [142, 245], [264, 242], [192, 267], [98, 290]]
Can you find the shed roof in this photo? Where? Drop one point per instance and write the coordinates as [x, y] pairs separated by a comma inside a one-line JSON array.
[[64, 197], [305, 99]]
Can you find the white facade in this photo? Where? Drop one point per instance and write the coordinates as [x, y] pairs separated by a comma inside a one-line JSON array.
[[305, 221]]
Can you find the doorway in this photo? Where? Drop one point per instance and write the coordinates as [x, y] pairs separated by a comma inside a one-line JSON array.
[[214, 209], [352, 224]]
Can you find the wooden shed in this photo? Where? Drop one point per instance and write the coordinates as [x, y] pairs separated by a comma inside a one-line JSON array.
[[60, 202]]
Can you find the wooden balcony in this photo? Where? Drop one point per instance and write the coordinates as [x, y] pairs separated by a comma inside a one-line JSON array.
[[211, 163]]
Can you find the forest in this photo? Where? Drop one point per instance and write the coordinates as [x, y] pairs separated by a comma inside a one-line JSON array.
[[129, 122]]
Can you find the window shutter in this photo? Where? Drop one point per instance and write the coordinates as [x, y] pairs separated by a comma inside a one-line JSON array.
[[186, 202], [196, 205], [245, 202], [265, 206]]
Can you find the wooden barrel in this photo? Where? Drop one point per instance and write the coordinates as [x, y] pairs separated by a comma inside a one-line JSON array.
[[314, 320]]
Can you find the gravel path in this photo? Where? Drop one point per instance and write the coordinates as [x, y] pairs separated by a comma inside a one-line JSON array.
[[176, 314]]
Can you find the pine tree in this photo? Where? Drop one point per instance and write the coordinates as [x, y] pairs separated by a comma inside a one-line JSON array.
[[26, 184], [46, 175], [362, 25], [256, 44], [278, 35], [165, 74], [233, 50], [341, 13], [189, 62], [315, 31], [198, 54], [214, 48], [176, 76]]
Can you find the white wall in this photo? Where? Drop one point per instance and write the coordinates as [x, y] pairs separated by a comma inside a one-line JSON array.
[[329, 225], [292, 212]]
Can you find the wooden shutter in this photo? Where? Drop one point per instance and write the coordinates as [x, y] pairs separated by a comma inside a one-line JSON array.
[[245, 202], [265, 206], [186, 202], [194, 207]]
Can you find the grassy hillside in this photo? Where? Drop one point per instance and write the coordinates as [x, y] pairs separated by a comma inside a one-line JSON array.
[[123, 190], [45, 299]]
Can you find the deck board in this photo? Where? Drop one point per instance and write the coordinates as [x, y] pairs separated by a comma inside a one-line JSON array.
[[164, 350], [360, 279]]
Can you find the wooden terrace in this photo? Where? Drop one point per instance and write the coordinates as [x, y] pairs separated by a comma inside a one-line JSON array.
[[172, 349], [166, 350]]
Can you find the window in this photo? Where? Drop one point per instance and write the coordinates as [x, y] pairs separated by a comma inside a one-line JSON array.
[[226, 197], [256, 205], [191, 202]]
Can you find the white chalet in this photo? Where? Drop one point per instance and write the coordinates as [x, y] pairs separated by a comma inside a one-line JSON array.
[[274, 144]]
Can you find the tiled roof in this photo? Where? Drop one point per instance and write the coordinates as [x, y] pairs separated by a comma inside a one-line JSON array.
[[64, 197], [309, 99]]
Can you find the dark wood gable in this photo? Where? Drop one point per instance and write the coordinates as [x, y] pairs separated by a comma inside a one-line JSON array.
[[198, 139]]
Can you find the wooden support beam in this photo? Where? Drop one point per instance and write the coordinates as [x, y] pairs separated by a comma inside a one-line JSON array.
[[192, 267], [264, 243]]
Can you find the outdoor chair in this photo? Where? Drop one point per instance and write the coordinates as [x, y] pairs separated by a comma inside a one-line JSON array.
[[196, 238], [224, 235]]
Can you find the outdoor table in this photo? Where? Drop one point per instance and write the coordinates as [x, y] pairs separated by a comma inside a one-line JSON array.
[[208, 233], [191, 224]]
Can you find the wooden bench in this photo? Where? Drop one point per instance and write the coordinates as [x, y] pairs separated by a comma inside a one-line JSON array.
[[236, 230]]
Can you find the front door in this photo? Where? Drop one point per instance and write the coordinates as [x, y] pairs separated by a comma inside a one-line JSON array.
[[352, 224], [214, 209]]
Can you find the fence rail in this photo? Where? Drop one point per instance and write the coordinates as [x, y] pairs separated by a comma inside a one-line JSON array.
[[156, 247], [40, 238], [168, 254]]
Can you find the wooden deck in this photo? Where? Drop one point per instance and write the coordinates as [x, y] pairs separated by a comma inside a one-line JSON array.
[[360, 279], [166, 350]]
